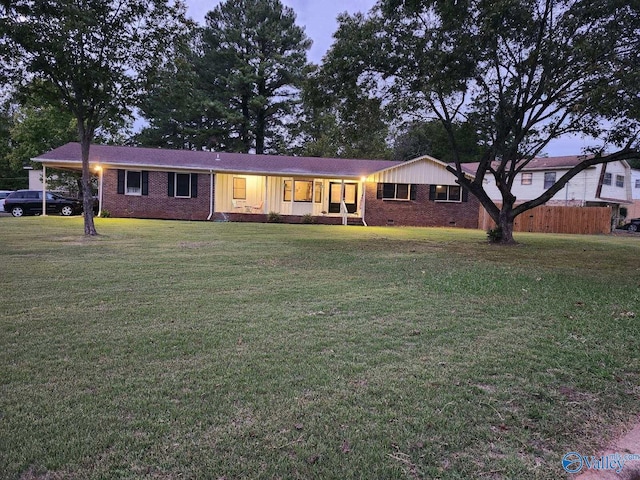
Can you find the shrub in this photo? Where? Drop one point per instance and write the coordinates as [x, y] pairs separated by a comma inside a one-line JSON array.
[[274, 217], [308, 218], [105, 214], [494, 235]]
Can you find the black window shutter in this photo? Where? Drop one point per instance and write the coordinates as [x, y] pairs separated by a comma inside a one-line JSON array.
[[465, 195], [121, 181], [145, 183], [379, 193], [413, 193], [194, 185], [432, 192], [171, 184]]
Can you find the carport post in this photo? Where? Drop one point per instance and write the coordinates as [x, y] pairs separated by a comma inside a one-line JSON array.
[[44, 190], [100, 173]]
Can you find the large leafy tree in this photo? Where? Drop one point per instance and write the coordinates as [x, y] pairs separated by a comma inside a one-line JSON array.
[[92, 56], [522, 72], [338, 119], [253, 62], [431, 138]]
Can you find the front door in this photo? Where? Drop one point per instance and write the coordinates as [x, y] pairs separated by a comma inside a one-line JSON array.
[[350, 197]]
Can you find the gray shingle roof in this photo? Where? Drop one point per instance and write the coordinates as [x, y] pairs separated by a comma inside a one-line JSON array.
[[161, 159], [541, 163]]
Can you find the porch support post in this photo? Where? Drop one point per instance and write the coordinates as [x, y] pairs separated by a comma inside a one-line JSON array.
[[265, 203], [343, 205], [44, 190], [363, 201]]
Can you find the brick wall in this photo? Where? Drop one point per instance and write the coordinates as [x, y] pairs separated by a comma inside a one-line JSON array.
[[420, 212], [157, 204]]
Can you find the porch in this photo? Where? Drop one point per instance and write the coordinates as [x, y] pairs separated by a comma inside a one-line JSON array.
[[244, 197]]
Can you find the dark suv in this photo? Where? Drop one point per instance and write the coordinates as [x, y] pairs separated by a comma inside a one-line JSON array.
[[29, 202]]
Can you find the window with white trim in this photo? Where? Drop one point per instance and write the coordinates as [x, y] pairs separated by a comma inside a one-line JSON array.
[[619, 181], [182, 185], [318, 193], [239, 188], [303, 191], [396, 191], [526, 178], [133, 182], [448, 193], [549, 179], [637, 182], [606, 180]]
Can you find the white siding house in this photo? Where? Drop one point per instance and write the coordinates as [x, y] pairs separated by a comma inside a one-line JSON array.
[[633, 211], [601, 185]]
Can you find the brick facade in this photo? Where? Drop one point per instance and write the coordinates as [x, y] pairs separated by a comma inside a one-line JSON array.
[[157, 204], [420, 212]]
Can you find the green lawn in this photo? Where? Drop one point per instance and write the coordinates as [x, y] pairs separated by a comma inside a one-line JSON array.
[[216, 350]]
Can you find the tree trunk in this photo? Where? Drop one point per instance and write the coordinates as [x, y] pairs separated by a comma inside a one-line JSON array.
[[505, 224], [260, 132], [87, 198]]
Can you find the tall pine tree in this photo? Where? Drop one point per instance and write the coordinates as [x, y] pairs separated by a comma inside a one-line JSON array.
[[252, 65]]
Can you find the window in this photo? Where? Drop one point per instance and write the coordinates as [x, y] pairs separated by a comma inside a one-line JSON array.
[[638, 183], [318, 193], [181, 185], [619, 181], [288, 188], [303, 191], [446, 193], [239, 188], [131, 182], [606, 180], [526, 178], [396, 191], [133, 185], [549, 179]]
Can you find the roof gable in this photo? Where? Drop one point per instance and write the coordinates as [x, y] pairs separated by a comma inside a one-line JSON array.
[[422, 170]]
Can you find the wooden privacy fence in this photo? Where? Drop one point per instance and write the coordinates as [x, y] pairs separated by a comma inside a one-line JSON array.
[[556, 219]]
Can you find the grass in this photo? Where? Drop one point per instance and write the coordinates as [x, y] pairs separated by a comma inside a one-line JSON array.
[[209, 350]]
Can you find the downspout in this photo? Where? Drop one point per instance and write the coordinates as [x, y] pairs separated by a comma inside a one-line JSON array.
[[44, 190], [210, 195]]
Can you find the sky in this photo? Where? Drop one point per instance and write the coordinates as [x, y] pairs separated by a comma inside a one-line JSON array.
[[318, 17]]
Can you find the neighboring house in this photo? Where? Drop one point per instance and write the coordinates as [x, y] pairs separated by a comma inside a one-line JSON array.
[[196, 185], [633, 210], [602, 185], [35, 178]]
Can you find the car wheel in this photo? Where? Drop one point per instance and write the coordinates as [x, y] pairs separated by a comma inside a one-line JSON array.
[[633, 227], [17, 211], [66, 210]]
